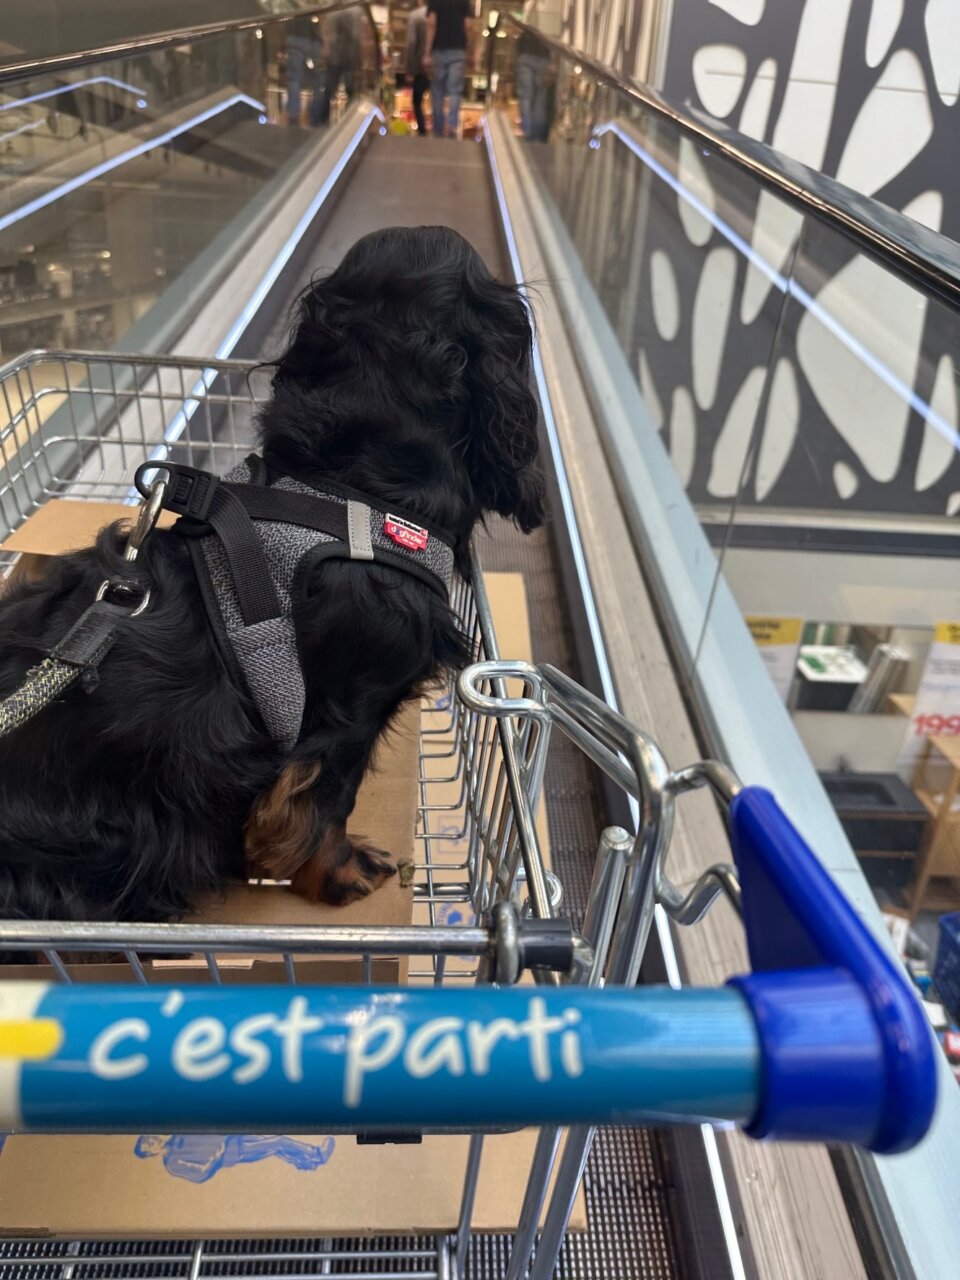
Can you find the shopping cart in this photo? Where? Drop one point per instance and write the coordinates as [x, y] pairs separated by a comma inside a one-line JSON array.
[[516, 1020]]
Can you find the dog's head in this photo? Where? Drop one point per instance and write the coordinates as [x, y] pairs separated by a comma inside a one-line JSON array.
[[412, 335]]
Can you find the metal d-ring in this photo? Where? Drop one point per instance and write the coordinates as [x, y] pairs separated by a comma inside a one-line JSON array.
[[109, 584], [147, 517]]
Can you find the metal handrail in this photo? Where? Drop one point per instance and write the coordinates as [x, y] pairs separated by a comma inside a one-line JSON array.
[[169, 39], [921, 257]]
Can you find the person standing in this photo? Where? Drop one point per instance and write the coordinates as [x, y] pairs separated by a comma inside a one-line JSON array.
[[448, 37], [533, 70], [345, 41], [303, 71], [413, 63]]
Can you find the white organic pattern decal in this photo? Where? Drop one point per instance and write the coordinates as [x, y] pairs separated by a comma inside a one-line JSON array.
[[885, 17], [711, 318], [892, 128], [856, 403]]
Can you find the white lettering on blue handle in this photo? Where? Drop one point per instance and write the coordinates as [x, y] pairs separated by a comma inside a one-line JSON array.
[[206, 1049]]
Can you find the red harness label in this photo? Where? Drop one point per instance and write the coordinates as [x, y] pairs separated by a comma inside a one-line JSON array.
[[404, 534]]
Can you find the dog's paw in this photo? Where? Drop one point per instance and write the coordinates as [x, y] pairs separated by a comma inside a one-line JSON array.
[[366, 869], [342, 871]]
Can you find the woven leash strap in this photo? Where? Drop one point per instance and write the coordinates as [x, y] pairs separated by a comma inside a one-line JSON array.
[[91, 637], [82, 649], [42, 685]]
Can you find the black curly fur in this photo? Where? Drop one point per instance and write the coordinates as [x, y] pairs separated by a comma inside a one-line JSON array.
[[408, 378]]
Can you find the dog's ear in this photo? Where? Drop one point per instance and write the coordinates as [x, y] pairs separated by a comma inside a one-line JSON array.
[[504, 437], [280, 833]]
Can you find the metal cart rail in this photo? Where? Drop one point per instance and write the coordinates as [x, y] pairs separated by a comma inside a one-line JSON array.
[[823, 1040]]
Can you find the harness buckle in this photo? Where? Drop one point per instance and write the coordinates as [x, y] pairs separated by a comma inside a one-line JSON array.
[[189, 491]]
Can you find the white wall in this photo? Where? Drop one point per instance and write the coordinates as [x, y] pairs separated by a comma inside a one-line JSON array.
[[887, 590]]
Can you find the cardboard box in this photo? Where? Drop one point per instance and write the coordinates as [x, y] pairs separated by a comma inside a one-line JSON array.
[[62, 525]]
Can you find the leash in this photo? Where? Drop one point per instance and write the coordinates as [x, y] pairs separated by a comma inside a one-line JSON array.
[[90, 639]]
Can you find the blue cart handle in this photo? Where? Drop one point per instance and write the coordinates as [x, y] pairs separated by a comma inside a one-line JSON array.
[[845, 1048], [823, 1041]]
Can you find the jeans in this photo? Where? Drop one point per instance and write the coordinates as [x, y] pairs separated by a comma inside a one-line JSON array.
[[300, 51], [334, 77], [447, 83], [420, 86], [532, 91]]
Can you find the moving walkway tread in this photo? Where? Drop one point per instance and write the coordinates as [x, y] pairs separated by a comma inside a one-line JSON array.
[[628, 1184]]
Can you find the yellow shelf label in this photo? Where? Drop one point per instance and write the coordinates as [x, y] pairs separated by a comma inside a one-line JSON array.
[[770, 630]]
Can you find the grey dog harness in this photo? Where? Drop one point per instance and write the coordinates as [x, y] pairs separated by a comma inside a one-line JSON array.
[[254, 537]]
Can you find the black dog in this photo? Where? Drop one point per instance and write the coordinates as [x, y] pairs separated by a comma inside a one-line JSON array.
[[407, 378]]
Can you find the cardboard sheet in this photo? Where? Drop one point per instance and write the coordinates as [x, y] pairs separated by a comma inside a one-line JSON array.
[[62, 525], [215, 1186], [66, 524]]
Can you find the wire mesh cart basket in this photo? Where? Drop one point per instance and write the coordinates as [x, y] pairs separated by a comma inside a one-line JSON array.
[[512, 1018]]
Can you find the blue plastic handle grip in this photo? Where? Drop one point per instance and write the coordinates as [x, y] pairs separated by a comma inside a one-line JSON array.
[[310, 1059], [847, 1052]]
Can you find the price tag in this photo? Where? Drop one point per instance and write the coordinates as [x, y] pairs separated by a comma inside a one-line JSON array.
[[936, 712], [778, 640]]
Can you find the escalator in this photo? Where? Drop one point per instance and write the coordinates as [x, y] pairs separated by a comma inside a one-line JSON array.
[[618, 222]]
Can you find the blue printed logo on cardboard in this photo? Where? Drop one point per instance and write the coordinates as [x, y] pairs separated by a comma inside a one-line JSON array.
[[197, 1157], [455, 913]]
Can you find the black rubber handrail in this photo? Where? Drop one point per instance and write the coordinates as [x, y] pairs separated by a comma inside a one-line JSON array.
[[924, 258], [11, 71]]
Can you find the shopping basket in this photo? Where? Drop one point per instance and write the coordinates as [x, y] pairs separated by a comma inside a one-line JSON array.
[[822, 1040]]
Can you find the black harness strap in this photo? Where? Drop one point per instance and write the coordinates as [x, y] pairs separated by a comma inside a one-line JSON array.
[[206, 502], [248, 562], [287, 507], [229, 509], [259, 470]]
